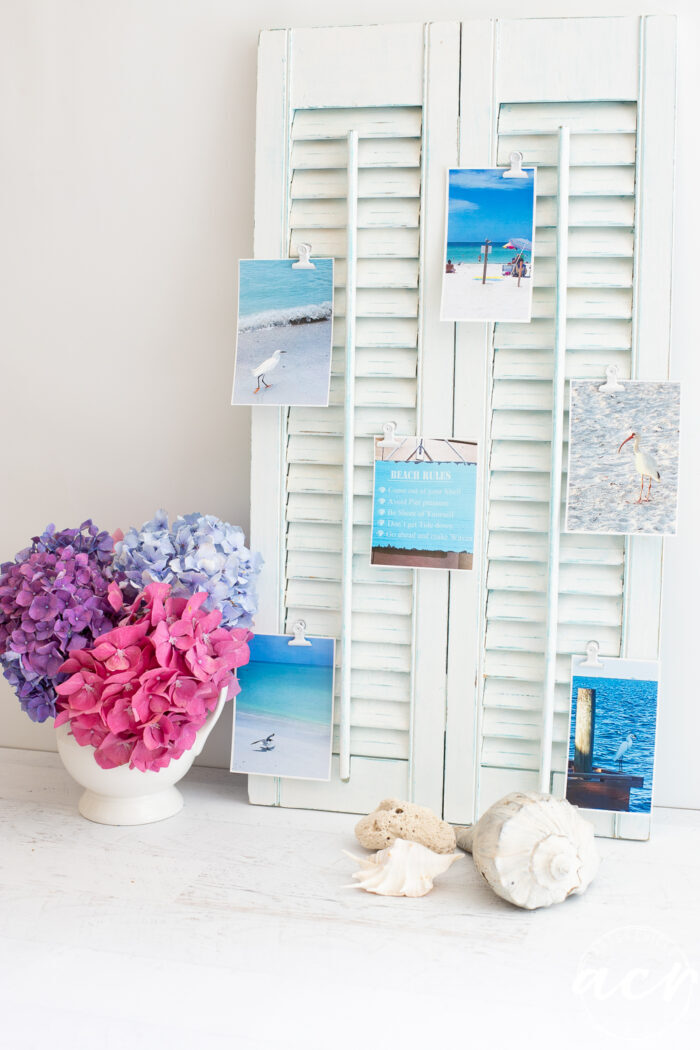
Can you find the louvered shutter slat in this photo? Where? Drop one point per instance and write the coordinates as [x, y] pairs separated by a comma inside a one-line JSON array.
[[613, 118], [380, 302], [395, 362], [389, 242], [317, 155], [369, 122], [615, 181], [586, 150], [610, 334], [588, 211], [311, 183], [512, 363], [371, 212]]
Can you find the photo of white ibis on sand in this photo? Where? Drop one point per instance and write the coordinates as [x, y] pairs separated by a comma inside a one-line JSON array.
[[623, 458], [285, 333]]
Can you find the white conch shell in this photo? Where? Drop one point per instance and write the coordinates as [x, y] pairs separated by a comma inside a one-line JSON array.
[[404, 869], [533, 850]]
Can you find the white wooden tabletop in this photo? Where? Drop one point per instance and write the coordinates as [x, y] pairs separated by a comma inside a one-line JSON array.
[[229, 926]]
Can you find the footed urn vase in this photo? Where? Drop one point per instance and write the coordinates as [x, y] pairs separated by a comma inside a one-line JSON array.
[[125, 796]]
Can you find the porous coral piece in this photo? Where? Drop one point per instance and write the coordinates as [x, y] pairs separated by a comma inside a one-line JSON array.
[[393, 820]]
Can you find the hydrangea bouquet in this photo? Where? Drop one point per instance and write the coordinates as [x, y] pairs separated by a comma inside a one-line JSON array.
[[140, 694], [130, 643]]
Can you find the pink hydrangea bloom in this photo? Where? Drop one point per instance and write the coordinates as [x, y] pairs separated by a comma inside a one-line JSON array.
[[140, 694]]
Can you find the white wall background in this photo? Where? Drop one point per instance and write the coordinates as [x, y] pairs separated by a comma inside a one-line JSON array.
[[126, 198]]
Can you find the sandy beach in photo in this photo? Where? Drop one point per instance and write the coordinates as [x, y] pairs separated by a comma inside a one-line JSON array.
[[302, 749], [302, 376], [464, 295], [603, 482]]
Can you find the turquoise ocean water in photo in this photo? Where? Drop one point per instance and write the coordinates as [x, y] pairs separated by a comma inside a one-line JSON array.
[[284, 711], [469, 251], [301, 693], [272, 293], [623, 705]]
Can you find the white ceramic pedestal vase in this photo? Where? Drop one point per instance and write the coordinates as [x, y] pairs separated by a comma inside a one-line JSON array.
[[129, 796]]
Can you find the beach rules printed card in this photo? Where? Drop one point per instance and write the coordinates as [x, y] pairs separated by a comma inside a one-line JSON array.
[[285, 333], [623, 458], [612, 734], [424, 502], [283, 719], [490, 227]]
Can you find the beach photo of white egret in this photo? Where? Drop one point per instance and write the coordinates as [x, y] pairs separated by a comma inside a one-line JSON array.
[[490, 226], [285, 333], [623, 458], [283, 720]]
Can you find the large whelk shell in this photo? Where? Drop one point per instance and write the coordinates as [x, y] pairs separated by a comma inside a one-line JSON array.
[[404, 869], [533, 850]]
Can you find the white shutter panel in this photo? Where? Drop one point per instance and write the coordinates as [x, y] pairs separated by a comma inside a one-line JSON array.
[[393, 205], [447, 668], [616, 181]]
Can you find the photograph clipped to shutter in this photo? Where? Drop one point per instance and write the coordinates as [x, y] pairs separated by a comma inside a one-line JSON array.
[[283, 723], [489, 245], [285, 332], [623, 458], [612, 735], [424, 507]]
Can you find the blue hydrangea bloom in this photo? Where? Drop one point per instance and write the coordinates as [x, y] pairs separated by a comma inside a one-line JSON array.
[[198, 552]]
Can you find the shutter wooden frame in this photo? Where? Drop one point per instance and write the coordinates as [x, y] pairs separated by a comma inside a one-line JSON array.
[[598, 60], [643, 77], [316, 71]]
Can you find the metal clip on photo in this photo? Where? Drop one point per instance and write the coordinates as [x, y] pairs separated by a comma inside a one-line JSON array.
[[591, 660], [613, 384], [298, 629], [515, 171], [304, 260], [389, 439]]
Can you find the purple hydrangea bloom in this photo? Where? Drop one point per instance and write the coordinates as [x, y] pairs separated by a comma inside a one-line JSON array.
[[53, 598], [37, 697], [199, 552]]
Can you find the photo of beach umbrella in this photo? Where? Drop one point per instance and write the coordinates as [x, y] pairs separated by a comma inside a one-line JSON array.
[[285, 333], [489, 246], [519, 244]]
